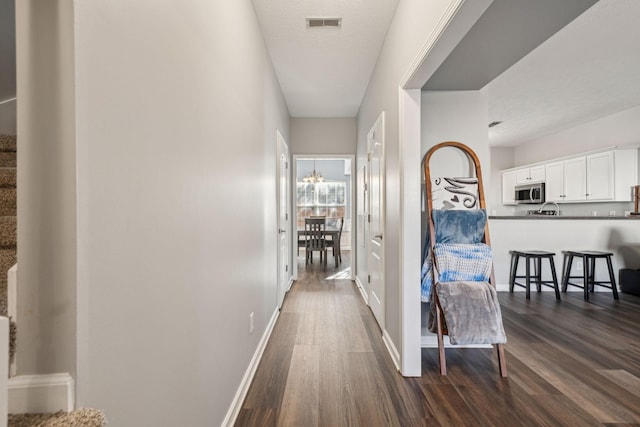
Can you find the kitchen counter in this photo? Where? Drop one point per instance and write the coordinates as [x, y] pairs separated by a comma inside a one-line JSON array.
[[617, 234], [561, 217]]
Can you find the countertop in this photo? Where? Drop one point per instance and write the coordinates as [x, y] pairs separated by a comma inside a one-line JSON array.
[[561, 217]]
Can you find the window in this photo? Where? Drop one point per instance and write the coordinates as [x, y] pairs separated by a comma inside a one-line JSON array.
[[321, 199]]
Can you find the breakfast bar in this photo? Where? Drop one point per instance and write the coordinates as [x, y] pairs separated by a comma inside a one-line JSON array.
[[619, 235]]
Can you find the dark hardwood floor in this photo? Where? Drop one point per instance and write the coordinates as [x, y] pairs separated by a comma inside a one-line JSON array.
[[571, 363]]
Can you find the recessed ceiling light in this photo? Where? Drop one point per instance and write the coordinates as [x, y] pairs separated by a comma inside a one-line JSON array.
[[324, 22], [492, 124]]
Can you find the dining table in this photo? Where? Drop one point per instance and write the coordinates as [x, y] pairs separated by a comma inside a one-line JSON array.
[[332, 232]]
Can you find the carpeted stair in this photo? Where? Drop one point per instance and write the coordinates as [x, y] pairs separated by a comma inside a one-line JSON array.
[[84, 417], [8, 222]]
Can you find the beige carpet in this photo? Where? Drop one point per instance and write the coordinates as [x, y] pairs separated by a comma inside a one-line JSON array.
[[84, 417]]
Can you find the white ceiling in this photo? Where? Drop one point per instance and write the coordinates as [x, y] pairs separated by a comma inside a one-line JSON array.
[[324, 72], [588, 69]]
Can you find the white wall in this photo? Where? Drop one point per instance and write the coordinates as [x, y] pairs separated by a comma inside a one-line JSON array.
[[617, 129], [46, 312], [413, 23], [323, 135], [455, 116], [177, 111]]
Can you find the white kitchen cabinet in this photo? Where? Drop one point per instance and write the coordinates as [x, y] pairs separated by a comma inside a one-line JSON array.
[[554, 185], [508, 188], [600, 183], [565, 180], [575, 179], [598, 177], [625, 172], [530, 175]]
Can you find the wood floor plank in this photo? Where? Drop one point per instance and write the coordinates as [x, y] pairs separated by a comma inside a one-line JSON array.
[[301, 398], [267, 387], [570, 363]]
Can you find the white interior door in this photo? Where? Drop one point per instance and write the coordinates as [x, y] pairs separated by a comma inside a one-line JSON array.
[[375, 140], [284, 224]]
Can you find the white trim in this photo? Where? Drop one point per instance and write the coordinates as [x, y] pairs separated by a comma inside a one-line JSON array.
[[454, 23], [6, 101], [41, 393], [4, 370], [505, 288], [241, 393], [431, 341], [352, 213], [360, 286], [12, 309], [410, 78], [381, 120], [282, 148], [393, 351], [410, 189]]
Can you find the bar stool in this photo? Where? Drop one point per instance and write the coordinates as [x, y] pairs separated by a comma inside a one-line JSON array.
[[536, 278], [589, 271]]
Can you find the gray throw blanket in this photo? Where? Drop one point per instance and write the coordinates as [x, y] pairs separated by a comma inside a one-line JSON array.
[[471, 312]]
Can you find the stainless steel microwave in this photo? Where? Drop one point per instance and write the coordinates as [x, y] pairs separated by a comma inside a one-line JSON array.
[[530, 193]]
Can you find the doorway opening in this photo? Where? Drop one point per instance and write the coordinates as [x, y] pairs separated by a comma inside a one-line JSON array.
[[324, 188]]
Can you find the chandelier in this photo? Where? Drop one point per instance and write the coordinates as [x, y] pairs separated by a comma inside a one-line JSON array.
[[314, 176]]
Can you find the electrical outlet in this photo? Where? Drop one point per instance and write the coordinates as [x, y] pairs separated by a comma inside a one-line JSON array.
[[612, 213], [251, 323]]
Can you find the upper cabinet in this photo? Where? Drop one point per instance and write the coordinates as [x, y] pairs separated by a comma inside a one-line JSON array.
[[598, 177], [509, 188], [625, 173], [565, 180], [530, 175]]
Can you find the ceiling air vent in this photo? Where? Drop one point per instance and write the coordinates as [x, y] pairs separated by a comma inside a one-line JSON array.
[[324, 22]]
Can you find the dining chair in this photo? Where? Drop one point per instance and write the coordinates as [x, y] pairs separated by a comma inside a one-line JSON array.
[[314, 233], [334, 243]]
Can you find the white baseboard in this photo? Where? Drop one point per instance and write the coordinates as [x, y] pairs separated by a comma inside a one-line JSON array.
[[505, 288], [41, 393], [393, 351], [4, 370], [365, 297], [241, 393], [12, 309], [431, 341]]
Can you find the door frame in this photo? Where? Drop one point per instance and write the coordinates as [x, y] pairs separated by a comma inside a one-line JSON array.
[[380, 120], [282, 289], [294, 215], [459, 17]]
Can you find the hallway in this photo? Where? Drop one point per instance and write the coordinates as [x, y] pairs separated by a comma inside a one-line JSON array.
[[326, 365]]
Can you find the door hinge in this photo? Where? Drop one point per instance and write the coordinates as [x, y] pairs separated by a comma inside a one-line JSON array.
[[368, 278], [369, 218], [369, 156], [286, 268], [286, 165], [286, 217], [365, 186]]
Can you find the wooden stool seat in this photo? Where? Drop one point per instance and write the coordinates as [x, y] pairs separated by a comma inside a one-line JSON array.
[[536, 277], [589, 272]]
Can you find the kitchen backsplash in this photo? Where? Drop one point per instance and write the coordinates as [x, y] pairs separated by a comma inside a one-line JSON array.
[[568, 209]]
